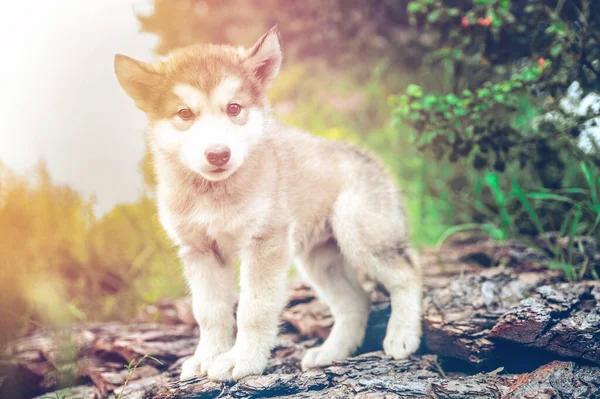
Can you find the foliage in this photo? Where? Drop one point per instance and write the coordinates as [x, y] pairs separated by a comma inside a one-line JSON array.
[[458, 125], [473, 47], [508, 65], [61, 264]]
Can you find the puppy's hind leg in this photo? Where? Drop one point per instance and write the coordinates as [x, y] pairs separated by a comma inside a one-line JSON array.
[[400, 275], [338, 286], [375, 237]]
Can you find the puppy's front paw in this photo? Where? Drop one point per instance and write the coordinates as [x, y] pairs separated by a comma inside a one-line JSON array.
[[197, 365], [402, 342], [322, 356], [231, 367], [190, 368]]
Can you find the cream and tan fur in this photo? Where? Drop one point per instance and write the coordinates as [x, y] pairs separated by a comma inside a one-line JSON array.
[[284, 196]]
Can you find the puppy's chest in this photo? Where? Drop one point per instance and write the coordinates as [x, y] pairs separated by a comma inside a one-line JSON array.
[[212, 217]]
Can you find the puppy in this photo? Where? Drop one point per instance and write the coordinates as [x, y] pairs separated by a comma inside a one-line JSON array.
[[235, 184]]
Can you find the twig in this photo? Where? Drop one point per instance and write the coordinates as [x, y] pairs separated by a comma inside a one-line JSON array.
[[559, 6], [438, 367], [131, 367]]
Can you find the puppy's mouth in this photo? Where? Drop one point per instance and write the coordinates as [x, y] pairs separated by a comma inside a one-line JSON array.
[[218, 173]]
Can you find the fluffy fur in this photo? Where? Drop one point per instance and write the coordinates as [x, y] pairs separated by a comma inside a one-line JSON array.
[[284, 196]]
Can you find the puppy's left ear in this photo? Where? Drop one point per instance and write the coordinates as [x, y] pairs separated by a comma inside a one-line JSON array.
[[264, 58]]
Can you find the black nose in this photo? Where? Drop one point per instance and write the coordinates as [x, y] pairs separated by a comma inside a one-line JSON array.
[[218, 155]]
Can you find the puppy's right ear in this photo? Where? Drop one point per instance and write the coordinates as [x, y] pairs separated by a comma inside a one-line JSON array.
[[139, 80]]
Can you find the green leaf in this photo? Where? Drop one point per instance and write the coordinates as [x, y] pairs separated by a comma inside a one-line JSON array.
[[414, 116], [550, 196], [429, 101], [130, 365], [565, 267], [452, 99], [414, 7], [434, 16], [450, 136], [494, 232], [492, 180], [457, 52], [573, 190], [483, 93], [505, 4], [443, 52], [416, 106], [414, 90], [426, 137], [155, 359], [532, 215], [401, 111], [531, 74], [459, 111], [453, 12], [590, 179], [441, 106], [555, 50], [504, 87], [558, 28]]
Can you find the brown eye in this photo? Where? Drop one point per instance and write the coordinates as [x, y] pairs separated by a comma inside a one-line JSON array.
[[186, 114], [234, 109]]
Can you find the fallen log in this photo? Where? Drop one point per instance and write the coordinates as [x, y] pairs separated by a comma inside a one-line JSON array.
[[371, 375], [562, 319], [458, 318]]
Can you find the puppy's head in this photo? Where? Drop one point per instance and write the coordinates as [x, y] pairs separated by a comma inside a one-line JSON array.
[[206, 103]]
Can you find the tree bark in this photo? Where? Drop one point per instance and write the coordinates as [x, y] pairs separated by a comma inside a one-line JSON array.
[[562, 319]]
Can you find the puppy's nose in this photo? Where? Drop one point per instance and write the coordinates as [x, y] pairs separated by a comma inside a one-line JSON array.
[[217, 155]]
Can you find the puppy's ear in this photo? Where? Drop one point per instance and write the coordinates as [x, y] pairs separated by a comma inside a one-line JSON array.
[[139, 80], [264, 58]]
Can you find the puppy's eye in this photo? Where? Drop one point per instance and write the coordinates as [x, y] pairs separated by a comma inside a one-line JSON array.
[[234, 109], [186, 114]]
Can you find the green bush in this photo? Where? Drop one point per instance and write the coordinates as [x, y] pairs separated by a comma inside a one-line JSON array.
[[514, 150]]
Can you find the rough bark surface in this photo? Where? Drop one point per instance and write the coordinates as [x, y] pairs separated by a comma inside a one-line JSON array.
[[458, 318], [517, 319], [562, 319]]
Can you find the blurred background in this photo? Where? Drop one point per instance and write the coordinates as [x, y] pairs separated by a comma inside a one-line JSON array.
[[486, 112]]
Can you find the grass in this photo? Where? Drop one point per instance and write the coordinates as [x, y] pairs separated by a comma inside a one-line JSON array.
[[438, 367], [60, 264], [62, 394], [567, 251], [132, 367]]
